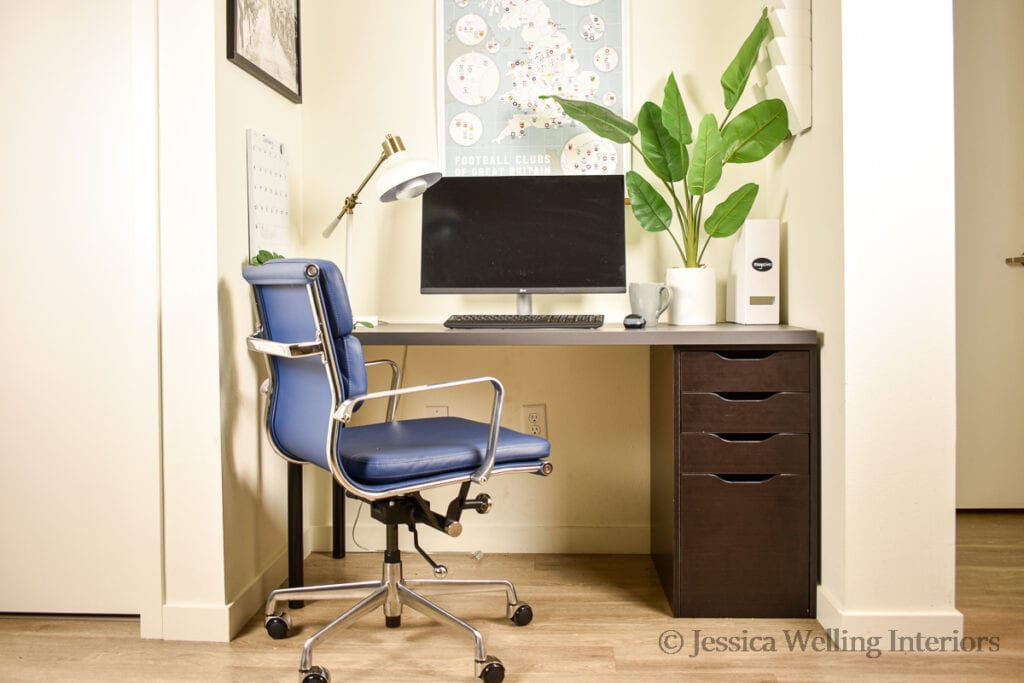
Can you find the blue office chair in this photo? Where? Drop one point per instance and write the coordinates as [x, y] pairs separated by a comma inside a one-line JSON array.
[[317, 379]]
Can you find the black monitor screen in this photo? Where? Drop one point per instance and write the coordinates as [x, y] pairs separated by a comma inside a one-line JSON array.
[[524, 234]]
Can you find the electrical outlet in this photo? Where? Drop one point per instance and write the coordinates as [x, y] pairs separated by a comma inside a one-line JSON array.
[[535, 419], [437, 411]]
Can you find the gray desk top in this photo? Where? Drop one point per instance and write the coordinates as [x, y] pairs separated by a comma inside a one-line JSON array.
[[612, 334]]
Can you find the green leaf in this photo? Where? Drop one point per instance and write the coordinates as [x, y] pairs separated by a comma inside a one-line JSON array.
[[673, 113], [598, 119], [262, 256], [730, 214], [660, 151], [753, 135], [706, 165], [649, 207], [734, 80]]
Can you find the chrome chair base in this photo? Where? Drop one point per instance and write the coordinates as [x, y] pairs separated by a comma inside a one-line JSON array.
[[393, 592]]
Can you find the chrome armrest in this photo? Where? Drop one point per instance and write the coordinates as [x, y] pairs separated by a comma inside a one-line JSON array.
[[344, 413], [301, 349], [282, 350], [396, 381]]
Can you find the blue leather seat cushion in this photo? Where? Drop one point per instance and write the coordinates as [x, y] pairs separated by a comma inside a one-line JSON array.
[[411, 449]]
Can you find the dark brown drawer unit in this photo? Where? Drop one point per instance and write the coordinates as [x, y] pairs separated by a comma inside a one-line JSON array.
[[734, 479]]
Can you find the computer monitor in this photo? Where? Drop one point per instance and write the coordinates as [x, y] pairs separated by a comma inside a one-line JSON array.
[[524, 235]]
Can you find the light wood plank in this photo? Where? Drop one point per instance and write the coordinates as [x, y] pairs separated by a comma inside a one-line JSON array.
[[598, 618]]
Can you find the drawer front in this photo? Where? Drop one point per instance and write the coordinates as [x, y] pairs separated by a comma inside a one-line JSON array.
[[745, 547], [776, 413], [731, 454], [717, 371]]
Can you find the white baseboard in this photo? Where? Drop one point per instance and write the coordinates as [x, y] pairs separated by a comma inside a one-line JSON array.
[[252, 599], [220, 623], [895, 631], [207, 623]]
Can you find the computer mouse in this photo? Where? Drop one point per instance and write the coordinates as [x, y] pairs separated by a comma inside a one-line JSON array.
[[634, 321]]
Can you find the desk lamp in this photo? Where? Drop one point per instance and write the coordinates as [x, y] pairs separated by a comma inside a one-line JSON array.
[[402, 178]]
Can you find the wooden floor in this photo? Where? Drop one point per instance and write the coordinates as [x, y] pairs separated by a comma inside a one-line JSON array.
[[598, 618]]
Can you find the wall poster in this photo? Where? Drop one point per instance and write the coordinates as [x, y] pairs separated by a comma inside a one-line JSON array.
[[497, 57]]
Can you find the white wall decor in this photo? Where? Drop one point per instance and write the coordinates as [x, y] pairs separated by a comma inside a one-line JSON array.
[[788, 72]]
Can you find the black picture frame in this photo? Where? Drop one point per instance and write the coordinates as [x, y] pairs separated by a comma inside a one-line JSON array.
[[263, 40]]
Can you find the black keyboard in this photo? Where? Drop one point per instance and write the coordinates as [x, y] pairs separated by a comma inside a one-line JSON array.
[[478, 321]]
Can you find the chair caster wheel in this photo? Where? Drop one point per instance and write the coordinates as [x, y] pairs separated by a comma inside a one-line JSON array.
[[316, 674], [277, 625], [493, 671], [523, 615]]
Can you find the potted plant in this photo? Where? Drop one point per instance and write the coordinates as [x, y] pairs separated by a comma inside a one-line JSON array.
[[689, 165]]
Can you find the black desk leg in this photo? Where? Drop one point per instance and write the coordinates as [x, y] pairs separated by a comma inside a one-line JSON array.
[[295, 554], [338, 521], [295, 558]]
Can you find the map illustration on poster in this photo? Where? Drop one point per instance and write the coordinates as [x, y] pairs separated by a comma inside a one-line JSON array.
[[497, 57]]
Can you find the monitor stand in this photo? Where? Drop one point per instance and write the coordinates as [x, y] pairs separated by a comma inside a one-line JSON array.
[[524, 304]]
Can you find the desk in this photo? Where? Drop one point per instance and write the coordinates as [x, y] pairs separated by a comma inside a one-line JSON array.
[[723, 334], [734, 456]]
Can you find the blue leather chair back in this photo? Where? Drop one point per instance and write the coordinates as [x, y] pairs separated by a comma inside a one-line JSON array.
[[299, 414]]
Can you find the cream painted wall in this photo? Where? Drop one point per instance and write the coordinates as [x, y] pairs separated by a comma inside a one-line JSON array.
[[895, 525], [78, 357], [192, 469], [254, 485], [806, 193], [990, 294], [887, 470], [224, 488], [350, 103]]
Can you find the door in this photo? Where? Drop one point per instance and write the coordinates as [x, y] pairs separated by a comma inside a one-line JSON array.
[[79, 450], [990, 228]]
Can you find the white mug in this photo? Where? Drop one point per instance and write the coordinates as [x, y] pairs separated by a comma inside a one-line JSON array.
[[650, 300]]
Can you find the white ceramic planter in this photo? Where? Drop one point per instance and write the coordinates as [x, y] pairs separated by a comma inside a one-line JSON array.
[[694, 296]]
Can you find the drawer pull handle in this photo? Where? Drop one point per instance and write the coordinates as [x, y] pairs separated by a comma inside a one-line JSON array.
[[744, 355], [745, 478], [745, 395], [744, 438]]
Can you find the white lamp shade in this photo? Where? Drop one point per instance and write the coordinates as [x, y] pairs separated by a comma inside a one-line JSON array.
[[404, 178]]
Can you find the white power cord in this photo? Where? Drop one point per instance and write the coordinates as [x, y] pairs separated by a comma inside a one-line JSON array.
[[359, 511]]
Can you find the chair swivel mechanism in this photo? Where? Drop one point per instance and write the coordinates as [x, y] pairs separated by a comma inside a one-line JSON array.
[[317, 379]]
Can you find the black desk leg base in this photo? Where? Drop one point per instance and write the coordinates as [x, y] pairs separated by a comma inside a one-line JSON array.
[[295, 550], [338, 521], [295, 558]]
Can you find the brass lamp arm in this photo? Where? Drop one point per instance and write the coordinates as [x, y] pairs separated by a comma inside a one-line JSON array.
[[391, 145], [353, 199]]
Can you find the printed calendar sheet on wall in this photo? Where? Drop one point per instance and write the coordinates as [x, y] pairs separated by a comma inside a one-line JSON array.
[[497, 57], [267, 173]]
